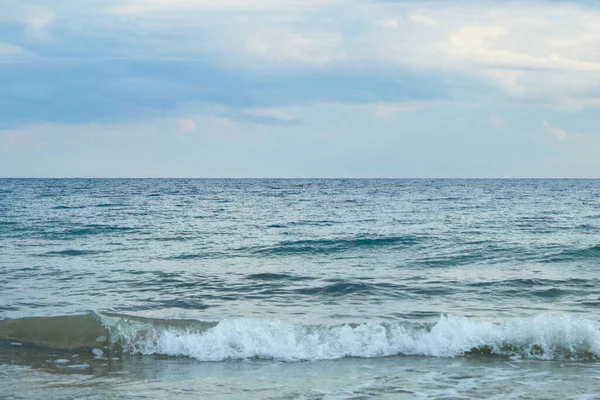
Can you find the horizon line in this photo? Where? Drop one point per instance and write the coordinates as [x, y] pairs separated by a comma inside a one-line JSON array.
[[298, 178]]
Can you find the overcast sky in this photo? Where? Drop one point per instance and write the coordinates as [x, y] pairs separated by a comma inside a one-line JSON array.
[[290, 88]]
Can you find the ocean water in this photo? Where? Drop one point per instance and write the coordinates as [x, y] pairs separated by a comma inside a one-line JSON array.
[[299, 288]]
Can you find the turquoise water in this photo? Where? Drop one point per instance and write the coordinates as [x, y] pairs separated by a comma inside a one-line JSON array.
[[299, 288]]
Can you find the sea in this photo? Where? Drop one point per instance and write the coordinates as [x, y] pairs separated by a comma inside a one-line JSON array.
[[299, 288]]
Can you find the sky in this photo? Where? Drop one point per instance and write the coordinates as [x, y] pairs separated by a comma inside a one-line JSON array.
[[291, 88]]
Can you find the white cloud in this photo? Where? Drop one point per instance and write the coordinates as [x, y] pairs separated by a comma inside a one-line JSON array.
[[472, 38], [478, 45], [36, 18], [389, 23], [422, 19], [509, 81], [555, 132], [186, 125], [148, 6], [10, 53], [10, 50], [276, 113], [315, 48], [533, 50], [387, 109], [379, 110]]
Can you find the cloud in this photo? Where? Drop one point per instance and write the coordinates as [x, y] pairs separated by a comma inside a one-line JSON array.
[[186, 125], [555, 132], [316, 48], [422, 19], [10, 53], [11, 50], [36, 18], [276, 113], [115, 61], [529, 50], [389, 23], [149, 6], [542, 51]]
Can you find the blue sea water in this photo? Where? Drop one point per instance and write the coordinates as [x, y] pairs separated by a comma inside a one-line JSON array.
[[299, 288]]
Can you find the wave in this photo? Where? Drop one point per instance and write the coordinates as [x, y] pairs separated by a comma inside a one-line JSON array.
[[105, 205], [59, 332], [8, 226], [528, 283], [345, 288], [71, 253], [320, 246], [269, 276], [97, 229], [586, 253], [194, 256], [294, 224], [545, 337]]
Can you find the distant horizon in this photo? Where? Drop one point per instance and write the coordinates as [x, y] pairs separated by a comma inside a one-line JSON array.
[[301, 178]]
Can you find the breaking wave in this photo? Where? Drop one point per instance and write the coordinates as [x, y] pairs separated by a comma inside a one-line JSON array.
[[545, 337]]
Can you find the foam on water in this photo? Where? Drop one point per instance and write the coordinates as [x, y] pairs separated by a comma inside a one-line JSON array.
[[546, 337]]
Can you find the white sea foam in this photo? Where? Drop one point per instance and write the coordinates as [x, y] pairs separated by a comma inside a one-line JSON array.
[[97, 352], [543, 337], [79, 366]]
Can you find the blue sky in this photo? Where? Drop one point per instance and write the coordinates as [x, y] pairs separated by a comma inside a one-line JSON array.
[[313, 88]]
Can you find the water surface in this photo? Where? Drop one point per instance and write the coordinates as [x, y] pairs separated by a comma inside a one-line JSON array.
[[299, 288]]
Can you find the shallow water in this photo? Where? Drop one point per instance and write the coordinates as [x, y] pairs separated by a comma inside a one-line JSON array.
[[299, 288]]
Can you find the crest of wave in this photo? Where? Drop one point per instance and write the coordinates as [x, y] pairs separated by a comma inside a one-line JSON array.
[[542, 337]]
